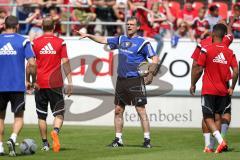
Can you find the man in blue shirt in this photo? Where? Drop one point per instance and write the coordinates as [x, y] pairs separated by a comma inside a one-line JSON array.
[[14, 49], [130, 86]]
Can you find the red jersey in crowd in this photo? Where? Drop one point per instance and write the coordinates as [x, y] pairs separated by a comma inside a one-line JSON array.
[[217, 59], [49, 51], [227, 40], [200, 26], [236, 23], [188, 15]]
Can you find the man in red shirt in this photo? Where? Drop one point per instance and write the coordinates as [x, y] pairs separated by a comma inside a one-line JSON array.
[[226, 117], [187, 14], [50, 52], [235, 19], [216, 61]]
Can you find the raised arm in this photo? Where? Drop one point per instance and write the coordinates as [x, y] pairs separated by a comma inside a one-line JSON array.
[[98, 39]]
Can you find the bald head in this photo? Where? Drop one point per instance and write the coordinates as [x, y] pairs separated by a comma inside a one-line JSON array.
[[48, 24]]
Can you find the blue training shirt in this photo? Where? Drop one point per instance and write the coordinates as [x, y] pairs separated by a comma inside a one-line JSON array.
[[14, 49], [132, 51]]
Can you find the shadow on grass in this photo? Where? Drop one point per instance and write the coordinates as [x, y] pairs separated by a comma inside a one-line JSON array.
[[134, 146]]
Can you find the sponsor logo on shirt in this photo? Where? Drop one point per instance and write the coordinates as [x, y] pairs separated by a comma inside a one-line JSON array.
[[220, 59], [48, 49], [7, 49]]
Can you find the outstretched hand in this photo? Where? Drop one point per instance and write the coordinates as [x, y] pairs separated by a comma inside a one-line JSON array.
[[82, 35]]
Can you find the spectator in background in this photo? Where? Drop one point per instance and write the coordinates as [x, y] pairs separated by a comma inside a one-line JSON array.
[[138, 9], [23, 10], [82, 13], [213, 18], [1, 25], [183, 31], [120, 10], [235, 20], [3, 13], [187, 14], [155, 18], [200, 26], [48, 4], [55, 15], [105, 13], [35, 18]]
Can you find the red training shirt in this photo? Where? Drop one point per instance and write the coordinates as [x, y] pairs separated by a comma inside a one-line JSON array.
[[217, 60], [49, 51]]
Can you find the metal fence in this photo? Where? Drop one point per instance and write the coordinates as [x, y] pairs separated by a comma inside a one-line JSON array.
[[68, 22]]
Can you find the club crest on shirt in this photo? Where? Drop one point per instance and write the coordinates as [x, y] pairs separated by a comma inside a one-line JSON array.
[[125, 45]]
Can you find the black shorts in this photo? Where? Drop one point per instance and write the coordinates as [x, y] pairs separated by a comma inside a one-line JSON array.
[[130, 91], [17, 100], [212, 104], [54, 96]]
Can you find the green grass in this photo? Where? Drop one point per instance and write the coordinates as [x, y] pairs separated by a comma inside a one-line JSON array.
[[89, 143]]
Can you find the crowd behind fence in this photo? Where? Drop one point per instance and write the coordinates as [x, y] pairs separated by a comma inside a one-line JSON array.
[[159, 18]]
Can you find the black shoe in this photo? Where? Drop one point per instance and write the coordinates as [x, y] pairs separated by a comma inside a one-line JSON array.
[[116, 143], [11, 147], [1, 154], [146, 143]]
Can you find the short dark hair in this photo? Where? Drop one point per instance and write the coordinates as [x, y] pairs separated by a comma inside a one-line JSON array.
[[134, 18], [213, 8], [11, 22], [220, 30], [48, 24]]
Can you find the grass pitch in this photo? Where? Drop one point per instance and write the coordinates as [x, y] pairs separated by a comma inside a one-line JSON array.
[[89, 143]]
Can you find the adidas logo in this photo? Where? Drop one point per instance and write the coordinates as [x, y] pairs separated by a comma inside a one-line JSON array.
[[220, 59], [7, 49], [48, 49]]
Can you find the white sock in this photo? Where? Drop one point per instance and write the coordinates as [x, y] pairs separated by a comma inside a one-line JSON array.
[[119, 135], [147, 135], [218, 136], [212, 142], [1, 147], [224, 129], [207, 139], [14, 137]]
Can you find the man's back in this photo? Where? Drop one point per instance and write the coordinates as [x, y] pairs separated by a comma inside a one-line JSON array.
[[217, 59], [49, 51], [227, 40], [13, 50]]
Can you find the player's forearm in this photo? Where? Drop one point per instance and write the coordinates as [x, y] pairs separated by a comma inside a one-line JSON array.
[[67, 70], [196, 73], [98, 39], [32, 69], [27, 73], [235, 77]]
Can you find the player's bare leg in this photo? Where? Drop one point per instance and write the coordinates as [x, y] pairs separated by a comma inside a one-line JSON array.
[[214, 126], [141, 110], [42, 124], [208, 138], [16, 129], [226, 119], [2, 117], [57, 124], [42, 128], [118, 124]]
